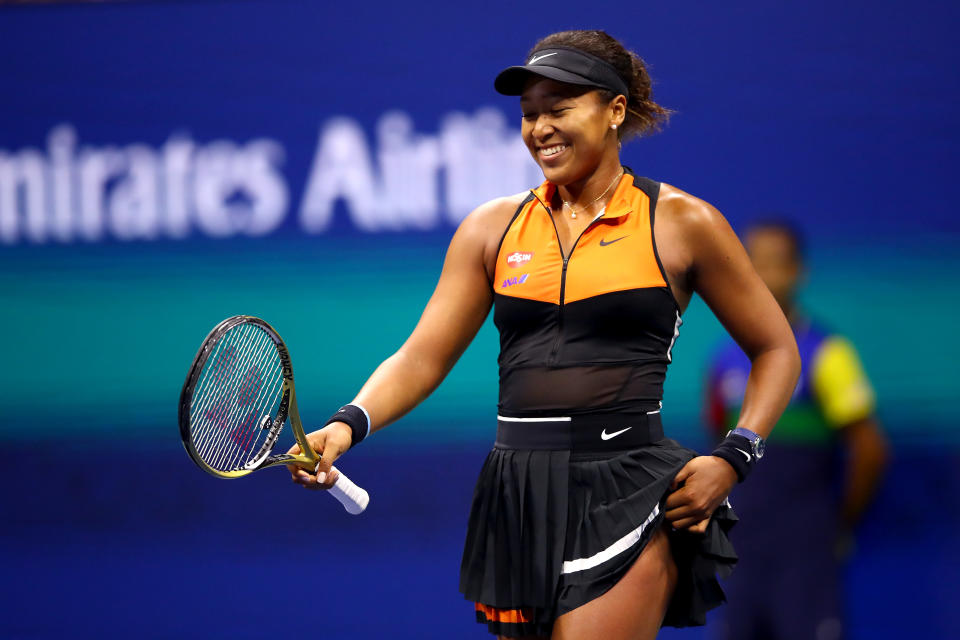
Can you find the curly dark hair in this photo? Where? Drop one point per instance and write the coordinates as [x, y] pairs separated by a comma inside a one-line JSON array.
[[644, 116]]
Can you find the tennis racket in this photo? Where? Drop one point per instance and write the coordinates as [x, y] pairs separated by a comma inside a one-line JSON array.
[[235, 401]]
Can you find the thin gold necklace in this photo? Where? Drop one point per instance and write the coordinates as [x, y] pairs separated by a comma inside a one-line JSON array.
[[573, 212]]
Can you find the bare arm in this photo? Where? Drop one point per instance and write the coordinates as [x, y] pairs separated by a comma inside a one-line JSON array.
[[451, 319], [718, 268], [868, 452], [726, 280]]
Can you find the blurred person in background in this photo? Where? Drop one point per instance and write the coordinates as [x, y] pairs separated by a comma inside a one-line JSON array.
[[830, 456]]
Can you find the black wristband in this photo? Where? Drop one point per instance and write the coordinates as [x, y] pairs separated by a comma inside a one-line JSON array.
[[738, 451], [356, 418]]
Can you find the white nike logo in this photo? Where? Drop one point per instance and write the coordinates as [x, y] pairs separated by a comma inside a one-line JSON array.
[[745, 454], [546, 55], [606, 436]]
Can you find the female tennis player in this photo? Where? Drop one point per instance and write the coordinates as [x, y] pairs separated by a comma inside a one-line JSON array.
[[586, 521]]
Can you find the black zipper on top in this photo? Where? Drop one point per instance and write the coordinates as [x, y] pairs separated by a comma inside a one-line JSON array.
[[563, 282], [554, 352]]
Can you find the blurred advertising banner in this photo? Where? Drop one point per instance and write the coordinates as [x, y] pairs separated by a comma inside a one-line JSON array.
[[68, 190], [180, 162]]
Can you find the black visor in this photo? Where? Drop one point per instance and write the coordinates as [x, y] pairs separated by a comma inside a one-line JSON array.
[[563, 64]]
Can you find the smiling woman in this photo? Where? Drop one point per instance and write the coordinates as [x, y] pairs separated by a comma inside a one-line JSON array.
[[586, 521]]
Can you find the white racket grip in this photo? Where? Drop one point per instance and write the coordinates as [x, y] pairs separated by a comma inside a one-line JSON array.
[[353, 498]]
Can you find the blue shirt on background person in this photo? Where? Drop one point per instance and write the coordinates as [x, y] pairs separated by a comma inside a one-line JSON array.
[[823, 463]]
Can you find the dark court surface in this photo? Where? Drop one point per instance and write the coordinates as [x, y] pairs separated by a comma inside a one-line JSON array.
[[98, 549]]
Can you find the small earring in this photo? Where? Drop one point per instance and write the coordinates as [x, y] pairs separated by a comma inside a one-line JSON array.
[[614, 127]]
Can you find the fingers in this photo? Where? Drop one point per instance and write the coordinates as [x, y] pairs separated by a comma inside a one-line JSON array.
[[326, 474], [677, 499], [677, 504], [700, 527], [309, 480], [330, 442], [292, 468], [689, 504], [326, 479], [686, 506], [686, 513], [305, 479], [693, 525], [681, 476], [700, 486], [337, 439]]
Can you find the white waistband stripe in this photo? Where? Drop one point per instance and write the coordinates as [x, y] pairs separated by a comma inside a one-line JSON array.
[[621, 545], [559, 419]]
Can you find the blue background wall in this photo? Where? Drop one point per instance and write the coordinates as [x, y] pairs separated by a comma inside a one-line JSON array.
[[214, 126]]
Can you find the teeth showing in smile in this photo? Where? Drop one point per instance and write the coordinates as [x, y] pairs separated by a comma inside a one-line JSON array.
[[554, 150]]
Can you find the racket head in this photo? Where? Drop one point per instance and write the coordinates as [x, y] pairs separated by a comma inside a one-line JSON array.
[[236, 398]]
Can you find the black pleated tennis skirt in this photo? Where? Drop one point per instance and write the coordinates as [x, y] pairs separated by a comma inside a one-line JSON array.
[[563, 508]]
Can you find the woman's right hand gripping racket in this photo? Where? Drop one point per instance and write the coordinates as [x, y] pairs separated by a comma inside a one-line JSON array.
[[236, 399]]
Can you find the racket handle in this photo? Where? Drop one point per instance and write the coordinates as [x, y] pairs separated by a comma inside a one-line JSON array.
[[353, 498]]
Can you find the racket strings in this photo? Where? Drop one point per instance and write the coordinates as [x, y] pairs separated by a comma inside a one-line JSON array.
[[241, 383], [214, 396], [230, 418], [211, 397], [241, 418], [210, 389], [234, 438]]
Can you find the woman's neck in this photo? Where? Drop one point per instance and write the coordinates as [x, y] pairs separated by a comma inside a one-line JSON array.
[[583, 193]]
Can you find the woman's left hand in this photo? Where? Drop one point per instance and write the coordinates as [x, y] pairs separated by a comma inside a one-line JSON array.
[[698, 489]]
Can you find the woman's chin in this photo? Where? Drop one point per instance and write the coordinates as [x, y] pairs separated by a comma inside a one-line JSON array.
[[557, 175]]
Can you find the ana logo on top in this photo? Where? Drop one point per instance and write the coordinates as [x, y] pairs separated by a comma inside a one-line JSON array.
[[509, 282], [519, 258]]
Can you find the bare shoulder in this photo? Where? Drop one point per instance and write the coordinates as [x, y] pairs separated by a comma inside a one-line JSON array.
[[686, 211], [482, 229], [687, 229], [493, 215]]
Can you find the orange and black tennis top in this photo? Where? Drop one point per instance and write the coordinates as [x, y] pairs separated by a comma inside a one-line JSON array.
[[590, 332]]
